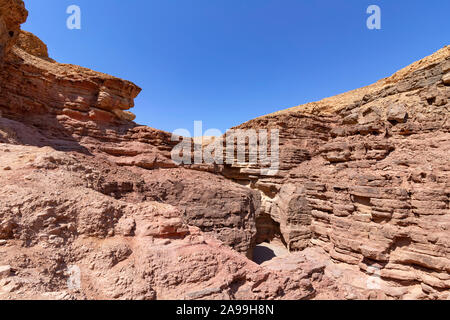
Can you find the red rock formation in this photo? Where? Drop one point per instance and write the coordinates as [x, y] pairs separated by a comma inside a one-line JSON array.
[[363, 188], [12, 14], [57, 214], [365, 176], [75, 109], [91, 204]]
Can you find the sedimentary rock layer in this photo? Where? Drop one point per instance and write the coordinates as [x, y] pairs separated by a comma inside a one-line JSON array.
[[366, 175], [362, 191]]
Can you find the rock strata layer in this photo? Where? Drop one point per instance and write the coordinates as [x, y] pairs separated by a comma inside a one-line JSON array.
[[93, 207], [366, 176]]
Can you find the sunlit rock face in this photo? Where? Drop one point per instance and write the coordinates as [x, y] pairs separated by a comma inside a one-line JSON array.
[[93, 207], [12, 15], [365, 176]]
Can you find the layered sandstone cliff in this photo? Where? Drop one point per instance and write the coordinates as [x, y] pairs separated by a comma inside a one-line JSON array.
[[82, 190], [362, 191], [365, 176]]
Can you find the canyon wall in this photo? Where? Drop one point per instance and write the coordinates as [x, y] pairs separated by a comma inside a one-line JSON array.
[[70, 108], [82, 213], [363, 184], [366, 175]]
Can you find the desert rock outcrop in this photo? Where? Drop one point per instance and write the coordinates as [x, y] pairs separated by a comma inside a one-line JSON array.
[[365, 176], [93, 207]]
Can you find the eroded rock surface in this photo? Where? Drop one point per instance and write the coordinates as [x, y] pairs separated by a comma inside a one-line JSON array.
[[68, 234], [93, 207], [369, 179]]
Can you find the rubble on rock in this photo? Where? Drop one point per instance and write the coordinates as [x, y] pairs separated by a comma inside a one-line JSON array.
[[93, 207]]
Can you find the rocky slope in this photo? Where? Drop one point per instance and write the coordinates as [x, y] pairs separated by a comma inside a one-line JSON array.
[[365, 176], [96, 180], [362, 193], [70, 108]]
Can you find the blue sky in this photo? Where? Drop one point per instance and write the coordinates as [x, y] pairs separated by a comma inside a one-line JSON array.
[[227, 61]]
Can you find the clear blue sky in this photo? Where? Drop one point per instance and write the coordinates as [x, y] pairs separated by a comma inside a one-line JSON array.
[[227, 61]]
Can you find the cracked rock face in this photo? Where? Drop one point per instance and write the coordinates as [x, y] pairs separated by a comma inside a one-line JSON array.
[[12, 15], [62, 224], [372, 185], [93, 207]]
